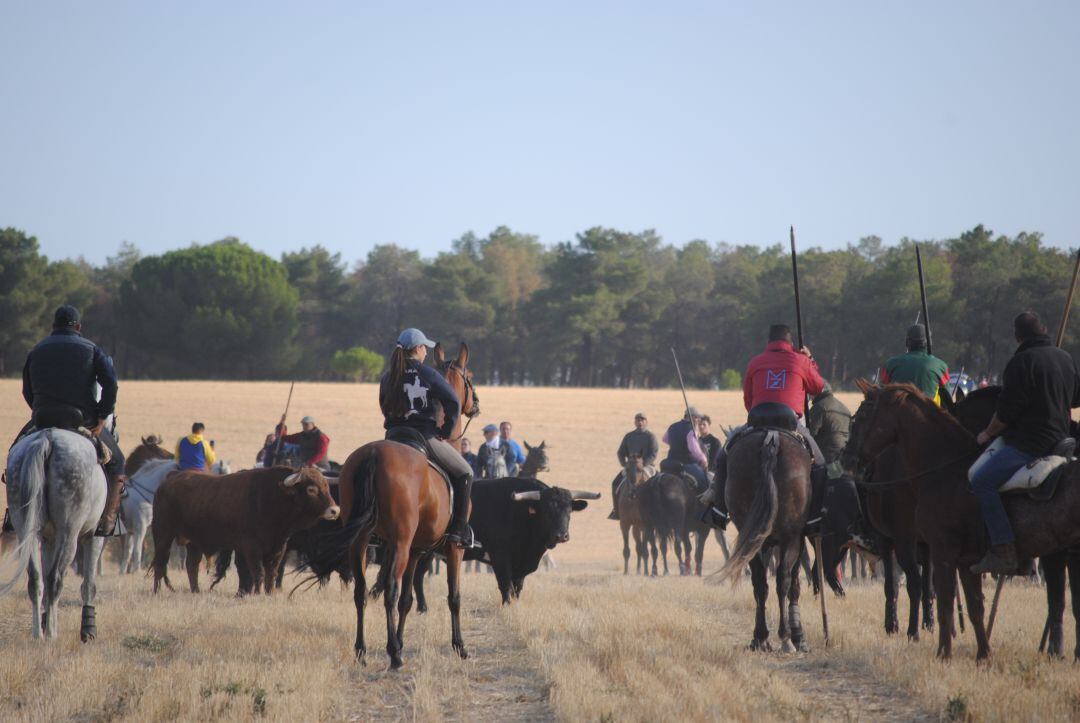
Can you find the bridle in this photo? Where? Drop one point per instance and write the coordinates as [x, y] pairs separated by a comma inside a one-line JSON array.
[[470, 392], [908, 478]]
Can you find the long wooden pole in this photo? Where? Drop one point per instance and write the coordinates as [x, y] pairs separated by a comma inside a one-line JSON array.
[[922, 297], [806, 409], [281, 431], [1059, 341]]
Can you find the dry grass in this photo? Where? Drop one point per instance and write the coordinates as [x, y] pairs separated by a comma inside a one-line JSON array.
[[584, 643]]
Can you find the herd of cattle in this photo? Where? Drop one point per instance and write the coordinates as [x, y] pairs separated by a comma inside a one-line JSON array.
[[256, 516]]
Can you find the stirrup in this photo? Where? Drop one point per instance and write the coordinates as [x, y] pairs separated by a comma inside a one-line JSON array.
[[118, 529], [465, 541]]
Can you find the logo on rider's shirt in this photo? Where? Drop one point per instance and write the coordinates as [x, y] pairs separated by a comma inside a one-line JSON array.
[[776, 381]]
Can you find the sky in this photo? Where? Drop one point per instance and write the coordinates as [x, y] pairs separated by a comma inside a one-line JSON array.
[[355, 124]]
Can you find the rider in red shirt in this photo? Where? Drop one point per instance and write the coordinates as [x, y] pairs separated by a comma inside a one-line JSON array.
[[779, 374]]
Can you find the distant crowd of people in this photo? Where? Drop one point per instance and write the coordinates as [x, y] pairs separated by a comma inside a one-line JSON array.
[[500, 454]]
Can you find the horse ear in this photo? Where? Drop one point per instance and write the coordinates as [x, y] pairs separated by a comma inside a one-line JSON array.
[[527, 445], [463, 355], [864, 386], [437, 353], [144, 440], [543, 444], [961, 395]]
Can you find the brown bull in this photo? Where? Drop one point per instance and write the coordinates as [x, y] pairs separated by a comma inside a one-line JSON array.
[[253, 512]]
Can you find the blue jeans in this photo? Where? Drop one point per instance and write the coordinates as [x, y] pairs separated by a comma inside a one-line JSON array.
[[993, 474]]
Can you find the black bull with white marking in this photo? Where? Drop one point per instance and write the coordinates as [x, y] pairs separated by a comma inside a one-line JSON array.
[[516, 521]]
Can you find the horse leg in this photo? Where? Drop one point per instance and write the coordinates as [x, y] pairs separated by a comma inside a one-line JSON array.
[[892, 625], [58, 557], [357, 563], [640, 551], [761, 597], [663, 552], [687, 548], [424, 568], [787, 575], [399, 559], [624, 526], [699, 552], [1054, 575], [945, 589], [406, 600], [453, 597], [91, 555], [1074, 591], [194, 556], [906, 558], [651, 537], [35, 588], [972, 584]]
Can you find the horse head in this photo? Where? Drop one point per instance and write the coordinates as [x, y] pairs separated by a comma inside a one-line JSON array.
[[459, 377]]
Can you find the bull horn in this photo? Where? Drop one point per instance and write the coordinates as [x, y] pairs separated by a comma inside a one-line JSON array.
[[532, 496], [581, 495], [293, 479]]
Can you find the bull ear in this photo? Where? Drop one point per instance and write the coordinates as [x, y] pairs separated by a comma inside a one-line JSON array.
[[293, 479], [578, 505], [437, 354], [463, 355]]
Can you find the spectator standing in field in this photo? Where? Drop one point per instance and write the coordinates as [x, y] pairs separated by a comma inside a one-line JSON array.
[[470, 457], [193, 452], [313, 443], [516, 458], [494, 456]]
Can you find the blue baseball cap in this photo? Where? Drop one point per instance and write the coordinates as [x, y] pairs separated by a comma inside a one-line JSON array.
[[412, 338]]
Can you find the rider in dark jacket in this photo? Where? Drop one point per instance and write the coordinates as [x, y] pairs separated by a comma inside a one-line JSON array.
[[59, 380], [1040, 387], [408, 396]]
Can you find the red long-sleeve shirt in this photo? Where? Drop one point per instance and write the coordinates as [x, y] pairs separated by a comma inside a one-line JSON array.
[[781, 374], [314, 445]]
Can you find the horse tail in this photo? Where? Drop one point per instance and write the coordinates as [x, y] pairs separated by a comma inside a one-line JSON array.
[[762, 515], [30, 482], [359, 489]]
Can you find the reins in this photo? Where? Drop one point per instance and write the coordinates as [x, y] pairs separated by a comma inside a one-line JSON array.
[[909, 478], [469, 389]]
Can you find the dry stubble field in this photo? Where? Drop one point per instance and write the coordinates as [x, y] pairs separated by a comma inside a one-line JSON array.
[[584, 642]]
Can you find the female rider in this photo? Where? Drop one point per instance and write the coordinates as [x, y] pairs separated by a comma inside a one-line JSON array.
[[407, 396]]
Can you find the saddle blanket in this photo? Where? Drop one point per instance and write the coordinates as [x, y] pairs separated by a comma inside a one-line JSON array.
[[1028, 477]]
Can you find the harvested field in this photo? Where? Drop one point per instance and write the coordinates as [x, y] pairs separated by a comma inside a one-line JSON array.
[[584, 643]]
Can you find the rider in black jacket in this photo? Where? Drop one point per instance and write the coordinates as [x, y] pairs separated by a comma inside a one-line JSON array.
[[59, 380]]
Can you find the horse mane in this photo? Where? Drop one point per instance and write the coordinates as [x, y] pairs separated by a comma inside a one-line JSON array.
[[910, 395]]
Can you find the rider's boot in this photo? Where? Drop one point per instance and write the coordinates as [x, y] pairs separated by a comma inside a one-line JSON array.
[[459, 533], [1000, 560], [716, 513], [819, 484], [614, 500], [107, 525]]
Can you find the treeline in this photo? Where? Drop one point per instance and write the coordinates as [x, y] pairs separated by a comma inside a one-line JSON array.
[[601, 310]]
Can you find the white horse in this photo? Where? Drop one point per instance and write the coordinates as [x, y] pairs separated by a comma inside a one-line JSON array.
[[137, 507], [56, 494]]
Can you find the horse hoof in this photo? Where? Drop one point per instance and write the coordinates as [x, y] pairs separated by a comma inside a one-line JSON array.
[[395, 663], [804, 647], [787, 647], [760, 646], [87, 635], [462, 653], [913, 637]]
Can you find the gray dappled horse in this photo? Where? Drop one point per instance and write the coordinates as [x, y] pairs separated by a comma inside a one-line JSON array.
[[56, 494]]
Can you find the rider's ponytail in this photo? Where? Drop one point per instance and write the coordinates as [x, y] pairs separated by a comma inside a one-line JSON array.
[[393, 404]]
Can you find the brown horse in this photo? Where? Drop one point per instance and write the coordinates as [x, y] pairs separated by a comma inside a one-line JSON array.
[[630, 521], [149, 449], [935, 451], [768, 496], [388, 490]]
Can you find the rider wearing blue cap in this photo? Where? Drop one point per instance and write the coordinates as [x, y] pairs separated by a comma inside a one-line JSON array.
[[408, 395]]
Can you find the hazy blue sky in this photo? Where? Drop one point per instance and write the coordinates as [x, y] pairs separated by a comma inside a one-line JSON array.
[[353, 124]]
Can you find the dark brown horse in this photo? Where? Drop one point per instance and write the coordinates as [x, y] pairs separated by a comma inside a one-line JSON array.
[[388, 490], [149, 449], [670, 510], [768, 495], [630, 519], [935, 451]]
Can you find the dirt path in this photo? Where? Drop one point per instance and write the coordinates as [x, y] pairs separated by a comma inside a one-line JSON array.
[[499, 681]]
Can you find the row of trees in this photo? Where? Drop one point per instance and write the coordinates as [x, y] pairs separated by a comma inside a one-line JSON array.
[[601, 310]]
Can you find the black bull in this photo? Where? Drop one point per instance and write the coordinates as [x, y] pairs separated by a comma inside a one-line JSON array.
[[516, 521]]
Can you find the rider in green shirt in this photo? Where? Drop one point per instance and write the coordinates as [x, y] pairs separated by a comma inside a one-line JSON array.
[[917, 366]]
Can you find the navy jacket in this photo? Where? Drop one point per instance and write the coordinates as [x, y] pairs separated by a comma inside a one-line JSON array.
[[677, 448], [62, 369], [1040, 386], [421, 389]]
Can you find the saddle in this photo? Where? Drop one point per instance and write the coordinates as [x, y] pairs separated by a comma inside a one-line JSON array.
[[104, 454], [769, 416], [413, 438], [672, 467], [1039, 478]]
